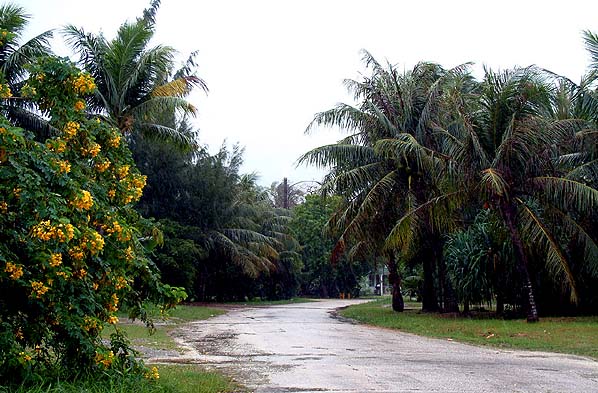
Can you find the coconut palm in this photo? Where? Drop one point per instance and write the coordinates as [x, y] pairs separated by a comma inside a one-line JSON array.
[[137, 85], [384, 168], [14, 59]]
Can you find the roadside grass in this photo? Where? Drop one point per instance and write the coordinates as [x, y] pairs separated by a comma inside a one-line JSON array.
[[140, 335], [571, 335], [173, 379], [259, 302]]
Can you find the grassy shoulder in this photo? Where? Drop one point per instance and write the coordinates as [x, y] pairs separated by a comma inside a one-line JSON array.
[[173, 379], [140, 335], [572, 335]]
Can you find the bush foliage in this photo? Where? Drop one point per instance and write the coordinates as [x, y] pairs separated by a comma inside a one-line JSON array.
[[71, 247]]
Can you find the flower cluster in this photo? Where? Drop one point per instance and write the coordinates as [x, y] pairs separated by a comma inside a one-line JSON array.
[[90, 323], [71, 128], [92, 150], [103, 165], [5, 91], [28, 91], [46, 231], [55, 259], [3, 207], [84, 201], [114, 141], [76, 253], [63, 166], [104, 359], [79, 105], [94, 243], [83, 83], [15, 271], [112, 320], [153, 374], [38, 289], [112, 306], [56, 145]]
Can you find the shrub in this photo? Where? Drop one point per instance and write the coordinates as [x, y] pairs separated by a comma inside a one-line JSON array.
[[71, 251]]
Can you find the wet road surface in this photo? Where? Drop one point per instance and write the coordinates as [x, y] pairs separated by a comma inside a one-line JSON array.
[[302, 348]]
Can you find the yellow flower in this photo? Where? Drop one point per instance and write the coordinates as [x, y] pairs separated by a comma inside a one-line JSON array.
[[94, 149], [15, 271], [83, 202], [71, 129], [43, 231], [17, 192], [81, 273], [152, 374], [19, 334], [102, 166], [3, 207], [58, 145], [123, 171], [83, 83], [105, 360], [5, 91], [129, 254], [121, 283], [112, 320], [114, 141], [63, 275], [55, 259], [76, 253], [79, 105], [111, 193], [63, 166], [25, 356], [38, 289]]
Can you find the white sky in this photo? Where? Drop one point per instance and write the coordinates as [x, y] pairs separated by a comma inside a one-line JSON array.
[[271, 65]]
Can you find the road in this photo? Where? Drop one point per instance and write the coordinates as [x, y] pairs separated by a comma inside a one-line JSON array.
[[303, 348]]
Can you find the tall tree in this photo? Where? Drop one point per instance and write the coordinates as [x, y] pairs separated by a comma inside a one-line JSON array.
[[14, 59], [138, 88]]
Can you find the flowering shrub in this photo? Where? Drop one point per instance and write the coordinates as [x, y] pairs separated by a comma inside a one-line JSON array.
[[70, 248]]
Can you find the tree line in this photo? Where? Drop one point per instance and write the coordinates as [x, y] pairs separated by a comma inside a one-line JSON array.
[[487, 187]]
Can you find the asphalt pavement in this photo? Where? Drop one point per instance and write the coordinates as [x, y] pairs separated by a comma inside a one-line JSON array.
[[304, 348]]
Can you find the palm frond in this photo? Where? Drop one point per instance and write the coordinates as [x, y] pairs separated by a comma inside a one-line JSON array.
[[538, 233]]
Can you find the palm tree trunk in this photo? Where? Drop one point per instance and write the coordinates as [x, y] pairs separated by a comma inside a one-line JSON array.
[[508, 212], [429, 298], [394, 279], [449, 300]]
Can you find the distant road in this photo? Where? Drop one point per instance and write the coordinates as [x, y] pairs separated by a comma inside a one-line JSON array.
[[302, 348]]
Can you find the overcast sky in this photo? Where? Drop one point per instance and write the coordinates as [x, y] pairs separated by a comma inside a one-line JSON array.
[[271, 65]]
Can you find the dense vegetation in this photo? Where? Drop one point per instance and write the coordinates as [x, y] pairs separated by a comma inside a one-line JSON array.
[[489, 185], [469, 191]]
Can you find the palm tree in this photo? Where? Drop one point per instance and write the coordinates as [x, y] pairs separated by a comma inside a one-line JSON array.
[[384, 169], [14, 58], [137, 86]]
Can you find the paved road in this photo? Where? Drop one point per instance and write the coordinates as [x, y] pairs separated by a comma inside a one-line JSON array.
[[303, 348]]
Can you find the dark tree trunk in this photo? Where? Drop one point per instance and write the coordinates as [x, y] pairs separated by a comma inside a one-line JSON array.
[[394, 279], [500, 305], [466, 307], [449, 300], [508, 212], [429, 299]]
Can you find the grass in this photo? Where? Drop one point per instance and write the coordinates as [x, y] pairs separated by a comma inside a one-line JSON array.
[[139, 334], [173, 379], [259, 302], [571, 335]]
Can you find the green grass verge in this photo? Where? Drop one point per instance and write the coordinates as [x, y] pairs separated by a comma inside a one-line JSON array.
[[139, 334], [173, 379], [259, 302], [572, 335]]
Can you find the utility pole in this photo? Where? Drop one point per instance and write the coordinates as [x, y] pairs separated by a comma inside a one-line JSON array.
[[285, 193]]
